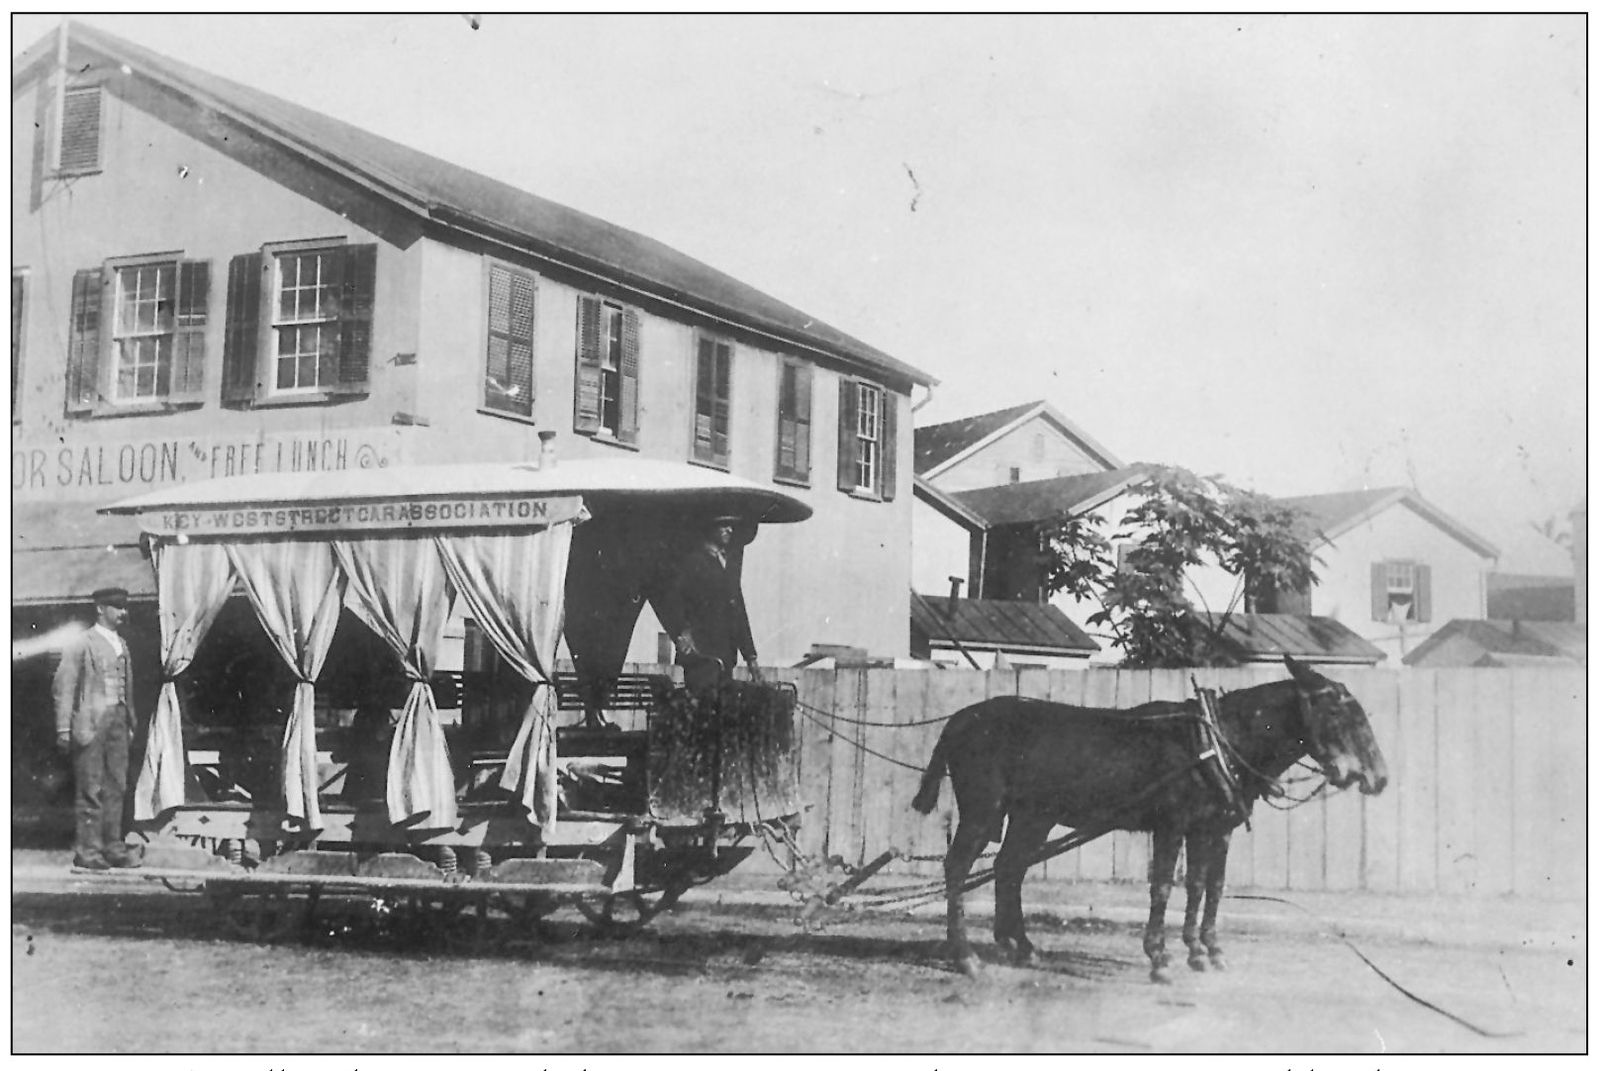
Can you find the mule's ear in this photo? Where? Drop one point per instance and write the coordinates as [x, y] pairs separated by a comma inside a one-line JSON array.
[[1297, 670]]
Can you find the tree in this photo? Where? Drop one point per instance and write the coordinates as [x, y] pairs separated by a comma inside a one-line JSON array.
[[1179, 522]]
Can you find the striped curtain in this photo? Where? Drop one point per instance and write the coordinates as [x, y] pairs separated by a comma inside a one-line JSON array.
[[397, 587], [513, 587], [192, 583], [296, 589]]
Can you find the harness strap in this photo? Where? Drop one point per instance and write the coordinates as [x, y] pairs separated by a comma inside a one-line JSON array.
[[1210, 741]]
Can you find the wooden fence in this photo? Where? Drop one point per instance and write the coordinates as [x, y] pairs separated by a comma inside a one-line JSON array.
[[1487, 792]]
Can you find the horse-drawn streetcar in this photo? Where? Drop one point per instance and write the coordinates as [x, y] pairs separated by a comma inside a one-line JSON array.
[[298, 775]]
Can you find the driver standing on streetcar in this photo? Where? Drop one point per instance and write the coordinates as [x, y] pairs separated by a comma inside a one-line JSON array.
[[707, 618]]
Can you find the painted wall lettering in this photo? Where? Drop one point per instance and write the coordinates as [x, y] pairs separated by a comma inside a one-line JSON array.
[[55, 468]]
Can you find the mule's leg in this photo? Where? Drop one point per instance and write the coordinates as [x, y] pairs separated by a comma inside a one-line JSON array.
[[1163, 860], [1216, 869], [1024, 836], [970, 839], [1197, 856]]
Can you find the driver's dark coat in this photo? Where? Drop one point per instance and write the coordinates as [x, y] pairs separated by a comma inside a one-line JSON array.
[[704, 603]]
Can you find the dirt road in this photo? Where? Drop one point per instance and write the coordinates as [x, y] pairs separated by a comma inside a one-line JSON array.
[[129, 967]]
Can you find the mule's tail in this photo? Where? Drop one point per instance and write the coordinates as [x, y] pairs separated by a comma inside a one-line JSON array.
[[927, 795]]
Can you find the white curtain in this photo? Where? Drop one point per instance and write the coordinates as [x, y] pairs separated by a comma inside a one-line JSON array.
[[513, 587], [397, 587], [296, 589], [192, 583]]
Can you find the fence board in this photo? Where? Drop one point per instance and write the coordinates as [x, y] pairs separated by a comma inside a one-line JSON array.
[[1417, 830], [817, 689], [1490, 776], [884, 782], [1565, 701], [1458, 841]]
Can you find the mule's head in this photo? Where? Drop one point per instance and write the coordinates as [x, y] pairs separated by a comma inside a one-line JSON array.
[[1337, 732]]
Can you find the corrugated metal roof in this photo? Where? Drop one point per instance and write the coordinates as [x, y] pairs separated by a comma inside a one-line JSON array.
[[937, 443], [1305, 638], [455, 195], [1039, 500], [998, 623], [1523, 639]]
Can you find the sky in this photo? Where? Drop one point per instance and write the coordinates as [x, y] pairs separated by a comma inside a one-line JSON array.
[[1309, 254]]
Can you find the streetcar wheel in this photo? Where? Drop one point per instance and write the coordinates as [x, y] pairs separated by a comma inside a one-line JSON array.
[[618, 914]]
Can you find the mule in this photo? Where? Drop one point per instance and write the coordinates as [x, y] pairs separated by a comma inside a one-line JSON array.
[[1160, 768]]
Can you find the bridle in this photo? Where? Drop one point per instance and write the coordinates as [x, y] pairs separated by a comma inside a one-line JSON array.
[[1271, 786]]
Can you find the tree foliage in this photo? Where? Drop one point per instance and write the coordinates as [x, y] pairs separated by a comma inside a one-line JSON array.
[[1178, 522]]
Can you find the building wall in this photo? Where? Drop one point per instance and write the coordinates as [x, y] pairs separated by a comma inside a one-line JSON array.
[[841, 577], [940, 549], [216, 209], [1344, 589], [1056, 455]]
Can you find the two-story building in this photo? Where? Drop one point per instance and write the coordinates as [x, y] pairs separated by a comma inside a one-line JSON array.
[[208, 280]]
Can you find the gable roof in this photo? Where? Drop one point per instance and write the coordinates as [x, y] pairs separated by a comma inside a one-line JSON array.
[[1040, 500], [948, 505], [939, 446], [467, 205], [1304, 637], [1339, 512], [1507, 642], [998, 624]]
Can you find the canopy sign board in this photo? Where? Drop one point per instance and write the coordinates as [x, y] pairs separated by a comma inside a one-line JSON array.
[[414, 514]]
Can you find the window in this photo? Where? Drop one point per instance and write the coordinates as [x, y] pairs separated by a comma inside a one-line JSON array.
[[793, 422], [19, 292], [1401, 591], [867, 445], [78, 152], [510, 340], [154, 353], [142, 332], [607, 369], [1015, 474], [711, 433], [299, 323]]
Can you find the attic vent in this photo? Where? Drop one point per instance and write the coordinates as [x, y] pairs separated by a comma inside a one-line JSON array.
[[81, 130]]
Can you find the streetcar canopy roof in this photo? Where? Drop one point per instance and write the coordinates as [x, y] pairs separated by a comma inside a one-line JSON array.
[[460, 493]]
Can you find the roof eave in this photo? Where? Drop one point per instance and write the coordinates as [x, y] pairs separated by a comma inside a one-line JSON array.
[[479, 227]]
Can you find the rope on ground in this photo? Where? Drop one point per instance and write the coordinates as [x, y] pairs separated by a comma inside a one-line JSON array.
[[1397, 986]]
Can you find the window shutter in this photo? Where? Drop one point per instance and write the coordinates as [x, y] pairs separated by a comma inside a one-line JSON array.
[[83, 342], [721, 438], [355, 270], [711, 404], [848, 436], [793, 421], [890, 445], [510, 341], [588, 366], [188, 370], [242, 320], [80, 130], [630, 363], [1421, 593], [1381, 602]]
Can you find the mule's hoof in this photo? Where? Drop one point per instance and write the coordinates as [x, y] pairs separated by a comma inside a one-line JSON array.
[[1018, 952], [970, 966], [1218, 962], [1160, 976], [1197, 963]]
